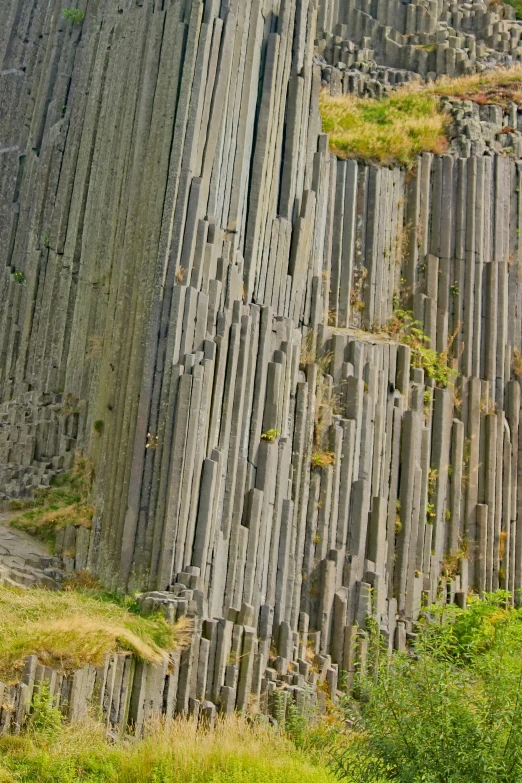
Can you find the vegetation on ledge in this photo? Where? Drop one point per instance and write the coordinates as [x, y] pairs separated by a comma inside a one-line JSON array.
[[65, 502], [70, 629], [499, 86], [411, 120], [388, 130]]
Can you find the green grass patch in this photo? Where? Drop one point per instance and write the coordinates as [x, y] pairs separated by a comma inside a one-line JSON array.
[[74, 627], [66, 501], [172, 752], [390, 130]]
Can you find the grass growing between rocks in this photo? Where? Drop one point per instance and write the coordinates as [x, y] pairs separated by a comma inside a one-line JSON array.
[[66, 501], [388, 130], [72, 628], [173, 752], [411, 120], [499, 86]]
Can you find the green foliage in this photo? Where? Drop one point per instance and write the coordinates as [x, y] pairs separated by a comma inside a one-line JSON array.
[[454, 290], [427, 401], [270, 436], [98, 426], [45, 719], [172, 752], [451, 713], [405, 329], [19, 276], [73, 15], [517, 5]]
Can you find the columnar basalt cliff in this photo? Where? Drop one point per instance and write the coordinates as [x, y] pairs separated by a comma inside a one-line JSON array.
[[195, 295]]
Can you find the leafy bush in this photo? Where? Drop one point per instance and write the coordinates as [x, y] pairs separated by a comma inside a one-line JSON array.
[[451, 712], [45, 720]]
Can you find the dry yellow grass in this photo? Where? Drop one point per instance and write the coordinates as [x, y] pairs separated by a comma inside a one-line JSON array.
[[499, 86], [70, 629]]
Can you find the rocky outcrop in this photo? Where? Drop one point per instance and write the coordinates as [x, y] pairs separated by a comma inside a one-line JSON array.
[[188, 264]]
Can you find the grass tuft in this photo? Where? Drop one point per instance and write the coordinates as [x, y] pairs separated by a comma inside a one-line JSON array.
[[68, 630]]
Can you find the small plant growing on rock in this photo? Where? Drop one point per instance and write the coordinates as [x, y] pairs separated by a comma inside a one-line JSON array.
[[322, 459], [517, 362], [152, 441], [270, 436], [73, 15], [180, 274], [427, 401], [406, 330], [98, 426], [19, 277]]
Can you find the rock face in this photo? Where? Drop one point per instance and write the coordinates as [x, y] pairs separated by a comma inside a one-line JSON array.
[[192, 288]]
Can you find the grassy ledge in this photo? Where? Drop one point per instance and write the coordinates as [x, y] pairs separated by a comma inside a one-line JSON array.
[[499, 86], [65, 502], [398, 128], [76, 627], [390, 130]]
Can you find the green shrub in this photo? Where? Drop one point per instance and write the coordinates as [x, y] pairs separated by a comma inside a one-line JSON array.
[[45, 720], [451, 713]]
